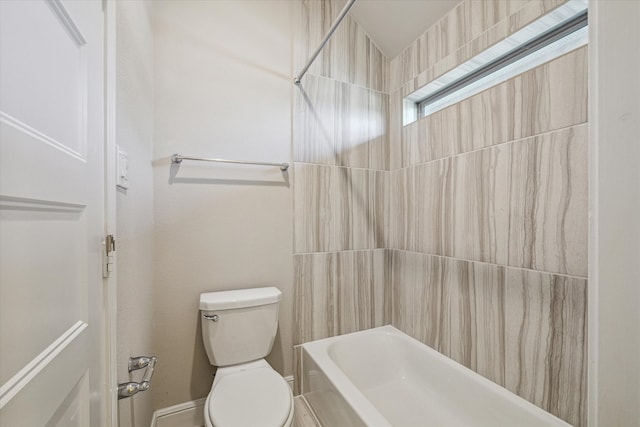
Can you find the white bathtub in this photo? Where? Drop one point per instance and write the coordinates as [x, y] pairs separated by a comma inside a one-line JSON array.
[[382, 377]]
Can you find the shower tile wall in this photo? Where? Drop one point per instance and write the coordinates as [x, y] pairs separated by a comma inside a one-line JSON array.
[[470, 28], [466, 229], [349, 57], [522, 329], [489, 214], [341, 178], [342, 292]]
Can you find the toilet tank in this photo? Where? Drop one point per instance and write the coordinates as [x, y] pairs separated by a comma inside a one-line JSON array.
[[239, 326]]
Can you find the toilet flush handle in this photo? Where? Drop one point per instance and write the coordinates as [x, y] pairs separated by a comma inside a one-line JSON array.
[[213, 317]]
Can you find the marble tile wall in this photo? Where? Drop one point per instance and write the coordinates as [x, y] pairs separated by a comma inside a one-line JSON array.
[[466, 229], [522, 204], [350, 56], [340, 136], [546, 341], [340, 177], [339, 292], [467, 30], [338, 208], [489, 212], [550, 97], [548, 202], [340, 124], [522, 329]]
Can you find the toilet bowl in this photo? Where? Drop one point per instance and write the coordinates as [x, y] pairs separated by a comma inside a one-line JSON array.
[[251, 394], [239, 329]]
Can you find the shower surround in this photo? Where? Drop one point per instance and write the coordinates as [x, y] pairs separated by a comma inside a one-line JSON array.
[[466, 229]]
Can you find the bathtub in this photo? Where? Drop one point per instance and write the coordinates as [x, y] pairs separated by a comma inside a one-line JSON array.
[[382, 377]]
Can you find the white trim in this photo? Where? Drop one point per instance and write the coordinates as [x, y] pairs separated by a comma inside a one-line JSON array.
[[614, 207], [9, 120], [25, 204], [289, 380], [592, 284], [68, 23], [191, 405], [110, 289], [20, 380]]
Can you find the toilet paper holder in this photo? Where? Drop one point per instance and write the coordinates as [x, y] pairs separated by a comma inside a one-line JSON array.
[[128, 389]]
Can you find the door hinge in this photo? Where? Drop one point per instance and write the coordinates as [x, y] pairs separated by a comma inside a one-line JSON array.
[[108, 255]]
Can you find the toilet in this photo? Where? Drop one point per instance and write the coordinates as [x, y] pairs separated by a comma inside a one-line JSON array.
[[238, 329]]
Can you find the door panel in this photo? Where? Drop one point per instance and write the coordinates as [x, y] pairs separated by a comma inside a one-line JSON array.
[[50, 380], [51, 213], [46, 236], [44, 65], [75, 411]]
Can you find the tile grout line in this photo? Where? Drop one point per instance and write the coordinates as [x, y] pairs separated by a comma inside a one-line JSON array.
[[573, 276], [497, 265], [337, 166], [341, 251], [381, 92], [446, 157], [491, 146]]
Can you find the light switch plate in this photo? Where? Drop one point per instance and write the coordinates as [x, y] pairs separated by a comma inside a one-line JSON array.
[[122, 169]]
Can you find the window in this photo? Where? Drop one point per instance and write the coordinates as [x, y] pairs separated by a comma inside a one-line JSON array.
[[560, 31]]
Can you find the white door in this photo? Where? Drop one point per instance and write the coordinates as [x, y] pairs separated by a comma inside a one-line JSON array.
[[52, 355]]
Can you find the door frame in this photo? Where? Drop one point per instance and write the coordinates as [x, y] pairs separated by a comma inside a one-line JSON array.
[[614, 207], [110, 283]]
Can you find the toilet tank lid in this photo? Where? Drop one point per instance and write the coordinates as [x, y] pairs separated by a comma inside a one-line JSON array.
[[239, 298]]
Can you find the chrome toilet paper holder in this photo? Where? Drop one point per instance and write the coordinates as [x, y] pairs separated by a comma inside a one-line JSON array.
[[128, 389]]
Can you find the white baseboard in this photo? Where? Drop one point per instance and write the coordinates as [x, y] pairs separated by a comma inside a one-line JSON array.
[[187, 414], [289, 380]]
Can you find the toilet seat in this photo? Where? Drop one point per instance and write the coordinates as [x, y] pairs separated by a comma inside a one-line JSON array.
[[255, 397]]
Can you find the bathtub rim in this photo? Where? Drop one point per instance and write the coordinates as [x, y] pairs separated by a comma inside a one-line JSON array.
[[318, 351]]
